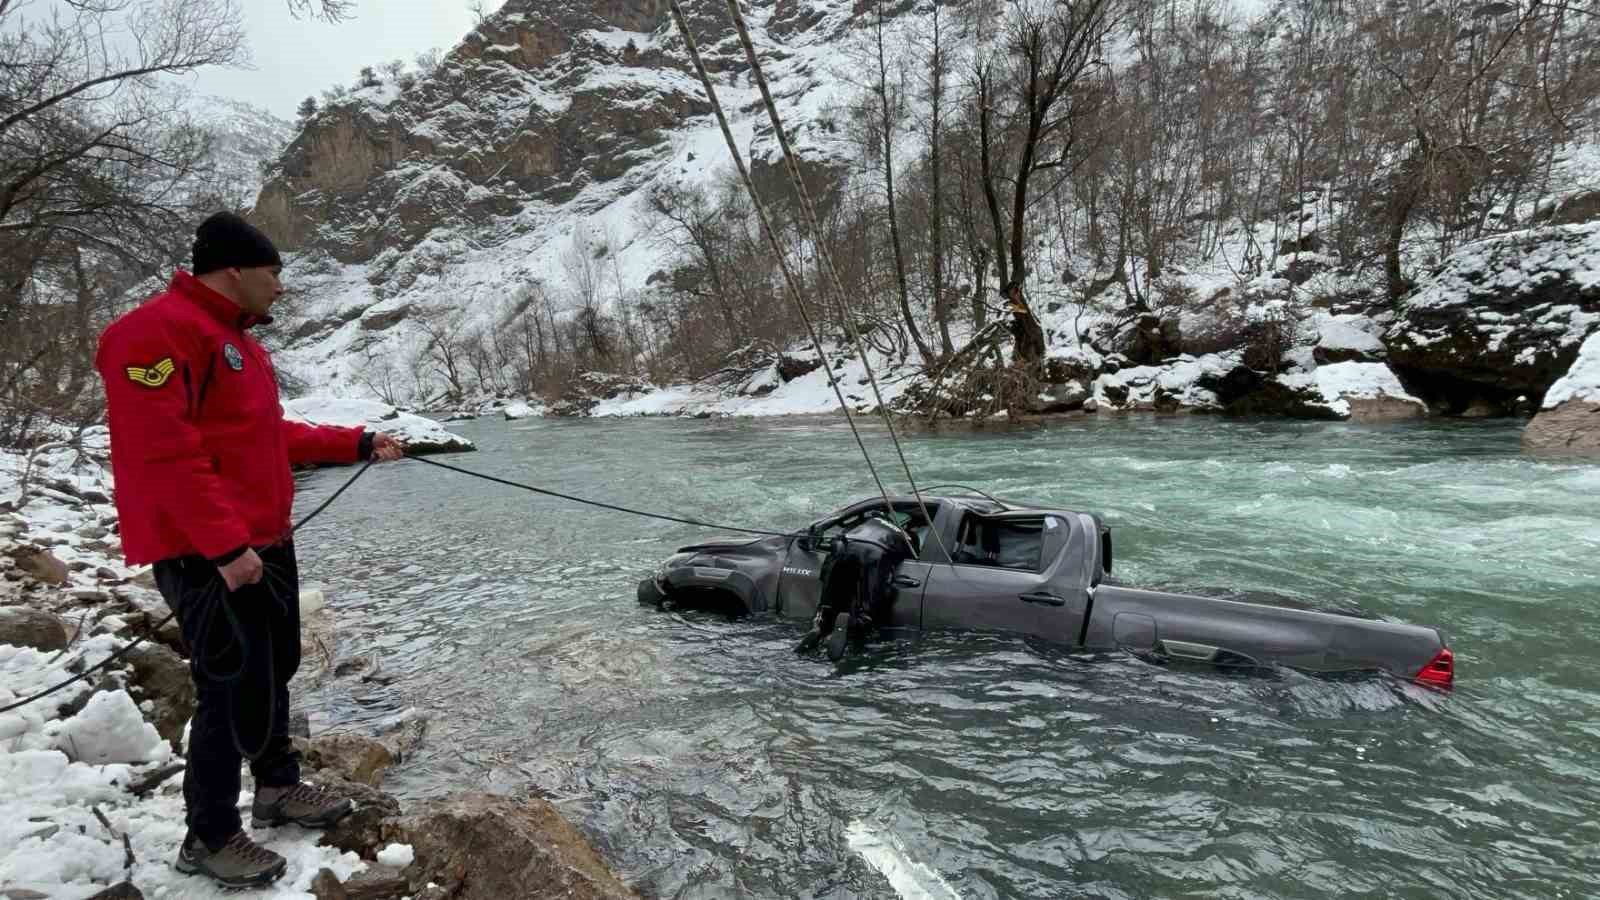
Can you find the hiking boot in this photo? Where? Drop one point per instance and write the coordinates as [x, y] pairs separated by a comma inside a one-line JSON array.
[[239, 863], [301, 804]]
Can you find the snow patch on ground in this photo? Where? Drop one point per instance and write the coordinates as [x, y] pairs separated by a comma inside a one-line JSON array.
[[110, 729], [809, 394], [397, 855], [55, 845]]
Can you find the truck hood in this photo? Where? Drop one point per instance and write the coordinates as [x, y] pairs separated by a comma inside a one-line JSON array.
[[732, 543]]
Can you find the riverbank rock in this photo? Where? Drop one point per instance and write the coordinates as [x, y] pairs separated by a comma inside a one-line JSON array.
[[1365, 392], [162, 677], [350, 756], [521, 411], [485, 847], [589, 389], [1500, 322], [363, 831], [1568, 424], [1346, 338], [376, 882], [1570, 429], [22, 626], [40, 564]]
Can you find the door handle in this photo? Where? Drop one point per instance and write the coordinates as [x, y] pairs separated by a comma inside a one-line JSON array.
[[906, 581], [1042, 598]]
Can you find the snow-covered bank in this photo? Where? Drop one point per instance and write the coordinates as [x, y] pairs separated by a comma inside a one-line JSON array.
[[419, 434], [71, 822], [60, 773], [69, 759], [763, 391]]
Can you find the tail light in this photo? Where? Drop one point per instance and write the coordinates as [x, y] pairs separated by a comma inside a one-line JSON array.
[[1441, 672]]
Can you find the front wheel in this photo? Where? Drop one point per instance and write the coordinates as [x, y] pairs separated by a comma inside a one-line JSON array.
[[650, 594]]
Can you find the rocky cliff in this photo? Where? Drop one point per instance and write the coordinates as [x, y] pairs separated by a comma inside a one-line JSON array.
[[537, 137]]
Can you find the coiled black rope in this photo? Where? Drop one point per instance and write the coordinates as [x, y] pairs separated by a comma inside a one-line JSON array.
[[211, 603], [157, 627]]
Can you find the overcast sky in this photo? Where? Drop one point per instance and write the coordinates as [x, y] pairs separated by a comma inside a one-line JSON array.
[[298, 58]]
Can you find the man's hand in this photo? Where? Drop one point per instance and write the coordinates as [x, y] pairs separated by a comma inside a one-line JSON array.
[[386, 448], [242, 571]]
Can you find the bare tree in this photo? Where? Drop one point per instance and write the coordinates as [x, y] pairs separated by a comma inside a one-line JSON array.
[[890, 112], [327, 10], [1054, 48], [936, 89], [442, 330], [98, 169], [698, 228]]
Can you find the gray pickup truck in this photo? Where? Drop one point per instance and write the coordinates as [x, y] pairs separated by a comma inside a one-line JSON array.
[[996, 565]]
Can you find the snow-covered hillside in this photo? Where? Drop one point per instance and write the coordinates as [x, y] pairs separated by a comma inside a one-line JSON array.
[[526, 161], [246, 137], [645, 122]]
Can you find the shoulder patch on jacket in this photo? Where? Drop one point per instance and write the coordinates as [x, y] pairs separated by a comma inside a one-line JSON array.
[[153, 377]]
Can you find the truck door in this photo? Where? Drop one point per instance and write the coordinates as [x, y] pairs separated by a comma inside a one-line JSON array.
[[800, 584], [1009, 572]]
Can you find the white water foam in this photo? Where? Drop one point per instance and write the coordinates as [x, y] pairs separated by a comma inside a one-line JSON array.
[[910, 879]]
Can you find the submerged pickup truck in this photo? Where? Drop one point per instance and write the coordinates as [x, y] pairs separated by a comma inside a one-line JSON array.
[[995, 565]]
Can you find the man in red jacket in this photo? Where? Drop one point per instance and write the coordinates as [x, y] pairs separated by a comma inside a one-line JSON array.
[[201, 455]]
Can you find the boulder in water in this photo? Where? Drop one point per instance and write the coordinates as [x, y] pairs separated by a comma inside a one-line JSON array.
[[1568, 424], [488, 847]]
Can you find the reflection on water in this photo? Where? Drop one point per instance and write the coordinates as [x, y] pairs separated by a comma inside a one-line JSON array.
[[707, 761]]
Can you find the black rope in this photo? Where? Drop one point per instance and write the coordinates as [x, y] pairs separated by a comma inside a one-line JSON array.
[[157, 627], [210, 611], [611, 506]]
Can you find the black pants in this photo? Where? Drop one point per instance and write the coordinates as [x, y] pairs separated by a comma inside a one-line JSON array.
[[243, 649]]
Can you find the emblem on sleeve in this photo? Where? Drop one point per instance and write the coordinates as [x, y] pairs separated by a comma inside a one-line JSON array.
[[153, 377], [234, 357]]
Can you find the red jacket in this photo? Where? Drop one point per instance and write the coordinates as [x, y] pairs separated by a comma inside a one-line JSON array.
[[200, 450]]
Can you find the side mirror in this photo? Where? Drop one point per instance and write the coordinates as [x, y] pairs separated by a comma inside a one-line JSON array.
[[808, 541]]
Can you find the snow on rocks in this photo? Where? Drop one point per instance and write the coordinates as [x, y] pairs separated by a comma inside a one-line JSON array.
[[788, 385], [1568, 422], [1346, 338], [397, 855], [1366, 392], [522, 411], [1171, 387], [1582, 381], [1501, 321], [419, 434]]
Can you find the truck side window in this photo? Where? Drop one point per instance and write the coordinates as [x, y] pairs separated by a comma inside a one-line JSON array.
[[1002, 543]]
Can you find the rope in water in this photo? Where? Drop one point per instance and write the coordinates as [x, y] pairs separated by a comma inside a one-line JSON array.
[[344, 487]]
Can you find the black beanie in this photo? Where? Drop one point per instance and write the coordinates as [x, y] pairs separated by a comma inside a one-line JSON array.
[[225, 241]]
